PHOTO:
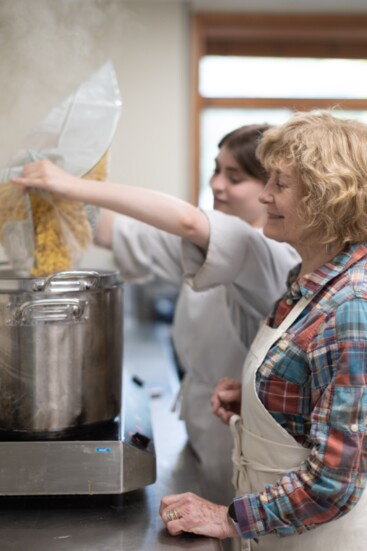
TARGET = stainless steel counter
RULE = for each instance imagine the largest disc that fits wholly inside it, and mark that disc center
(129, 521)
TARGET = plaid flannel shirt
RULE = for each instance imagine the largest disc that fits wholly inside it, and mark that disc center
(313, 382)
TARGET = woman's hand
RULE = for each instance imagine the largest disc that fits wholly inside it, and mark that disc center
(191, 513)
(226, 399)
(46, 175)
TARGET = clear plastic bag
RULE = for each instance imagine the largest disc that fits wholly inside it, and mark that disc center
(16, 227)
(62, 229)
(42, 233)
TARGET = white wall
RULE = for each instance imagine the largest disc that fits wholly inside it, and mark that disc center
(49, 47)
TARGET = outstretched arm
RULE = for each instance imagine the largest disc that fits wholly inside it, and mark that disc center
(157, 209)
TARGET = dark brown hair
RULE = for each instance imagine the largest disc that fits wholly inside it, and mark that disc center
(242, 143)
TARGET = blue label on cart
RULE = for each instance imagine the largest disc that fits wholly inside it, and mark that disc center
(103, 450)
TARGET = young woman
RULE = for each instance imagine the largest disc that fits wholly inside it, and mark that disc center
(212, 329)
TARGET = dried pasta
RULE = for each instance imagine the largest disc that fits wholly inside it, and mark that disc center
(61, 227)
(12, 204)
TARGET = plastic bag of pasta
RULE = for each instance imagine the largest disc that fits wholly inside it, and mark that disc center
(16, 228)
(42, 233)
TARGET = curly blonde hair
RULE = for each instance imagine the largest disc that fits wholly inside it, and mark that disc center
(328, 156)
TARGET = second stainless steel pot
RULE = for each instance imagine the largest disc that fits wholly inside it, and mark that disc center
(61, 351)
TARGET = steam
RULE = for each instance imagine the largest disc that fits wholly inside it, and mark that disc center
(47, 49)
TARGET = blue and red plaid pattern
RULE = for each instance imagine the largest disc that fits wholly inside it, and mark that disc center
(313, 382)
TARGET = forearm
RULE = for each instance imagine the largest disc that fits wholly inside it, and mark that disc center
(157, 209)
(154, 208)
(289, 506)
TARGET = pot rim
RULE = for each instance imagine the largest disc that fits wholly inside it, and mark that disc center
(66, 281)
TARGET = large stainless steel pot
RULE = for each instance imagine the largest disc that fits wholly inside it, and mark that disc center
(60, 351)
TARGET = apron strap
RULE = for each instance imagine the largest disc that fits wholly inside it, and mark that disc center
(235, 426)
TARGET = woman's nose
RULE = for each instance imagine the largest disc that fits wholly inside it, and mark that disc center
(217, 182)
(265, 196)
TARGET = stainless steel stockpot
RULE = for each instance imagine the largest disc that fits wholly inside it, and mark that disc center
(61, 348)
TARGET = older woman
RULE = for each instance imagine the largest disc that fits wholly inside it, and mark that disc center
(300, 447)
(300, 453)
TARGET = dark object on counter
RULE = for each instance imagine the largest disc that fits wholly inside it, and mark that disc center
(137, 380)
(140, 439)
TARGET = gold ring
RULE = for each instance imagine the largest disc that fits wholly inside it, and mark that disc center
(173, 515)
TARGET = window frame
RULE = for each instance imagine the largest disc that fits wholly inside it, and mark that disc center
(319, 36)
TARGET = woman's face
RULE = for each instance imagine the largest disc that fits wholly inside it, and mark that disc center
(235, 192)
(281, 196)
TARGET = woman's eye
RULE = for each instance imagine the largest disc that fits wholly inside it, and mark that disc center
(236, 178)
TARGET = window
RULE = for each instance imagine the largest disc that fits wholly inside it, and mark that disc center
(255, 69)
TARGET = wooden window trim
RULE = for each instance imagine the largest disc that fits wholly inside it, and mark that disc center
(332, 36)
(303, 104)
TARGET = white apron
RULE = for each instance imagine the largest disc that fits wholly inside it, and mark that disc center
(263, 451)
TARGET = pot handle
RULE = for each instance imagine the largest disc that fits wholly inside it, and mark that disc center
(47, 310)
(69, 281)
